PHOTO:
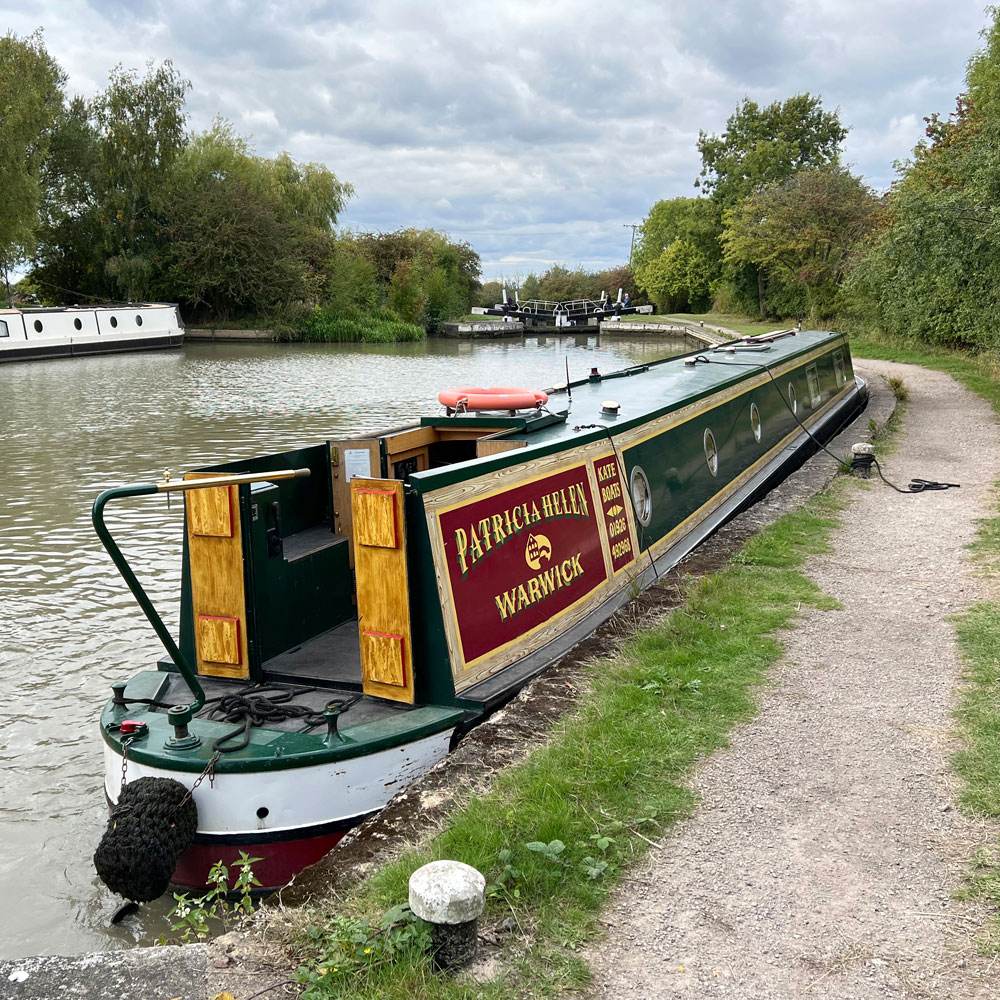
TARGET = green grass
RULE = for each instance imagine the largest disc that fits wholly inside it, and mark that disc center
(615, 773)
(977, 631)
(978, 372)
(653, 318)
(978, 716)
(740, 324)
(324, 325)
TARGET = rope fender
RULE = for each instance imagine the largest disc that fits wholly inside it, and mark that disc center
(148, 830)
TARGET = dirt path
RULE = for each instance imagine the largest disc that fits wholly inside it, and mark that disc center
(823, 858)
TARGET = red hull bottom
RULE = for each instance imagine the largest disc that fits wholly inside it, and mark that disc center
(280, 860)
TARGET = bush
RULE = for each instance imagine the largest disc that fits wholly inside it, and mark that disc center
(380, 326)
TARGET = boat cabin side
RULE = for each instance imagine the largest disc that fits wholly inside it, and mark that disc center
(443, 563)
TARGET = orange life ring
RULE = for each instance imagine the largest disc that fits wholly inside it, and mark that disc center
(493, 398)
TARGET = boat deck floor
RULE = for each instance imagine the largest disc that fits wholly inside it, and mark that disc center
(331, 658)
(324, 669)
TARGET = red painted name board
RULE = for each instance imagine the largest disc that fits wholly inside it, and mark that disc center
(520, 556)
(613, 501)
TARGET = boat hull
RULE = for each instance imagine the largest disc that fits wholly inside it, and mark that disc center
(274, 862)
(306, 810)
(531, 554)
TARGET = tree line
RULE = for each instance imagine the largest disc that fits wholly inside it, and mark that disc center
(772, 231)
(783, 228)
(114, 199)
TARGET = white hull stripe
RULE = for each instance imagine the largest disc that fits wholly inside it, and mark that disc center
(298, 798)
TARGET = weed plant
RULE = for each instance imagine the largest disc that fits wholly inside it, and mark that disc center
(193, 916)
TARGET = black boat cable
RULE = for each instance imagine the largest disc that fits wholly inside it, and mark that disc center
(253, 706)
(915, 486)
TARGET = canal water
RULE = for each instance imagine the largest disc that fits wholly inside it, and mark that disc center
(68, 626)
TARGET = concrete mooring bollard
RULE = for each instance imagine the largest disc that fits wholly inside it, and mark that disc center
(450, 896)
(862, 457)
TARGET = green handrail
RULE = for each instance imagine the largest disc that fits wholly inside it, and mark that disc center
(140, 490)
(146, 489)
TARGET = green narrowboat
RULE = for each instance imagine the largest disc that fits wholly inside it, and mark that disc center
(350, 608)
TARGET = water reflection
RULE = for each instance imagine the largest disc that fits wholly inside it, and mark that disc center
(68, 627)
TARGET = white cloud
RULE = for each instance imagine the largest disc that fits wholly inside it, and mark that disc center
(564, 120)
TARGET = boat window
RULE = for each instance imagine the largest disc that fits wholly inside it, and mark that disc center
(642, 498)
(755, 421)
(3, 329)
(114, 320)
(838, 367)
(812, 381)
(77, 323)
(711, 452)
(38, 326)
(793, 401)
(138, 320)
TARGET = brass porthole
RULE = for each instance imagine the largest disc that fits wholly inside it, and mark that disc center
(793, 400)
(642, 497)
(755, 424)
(711, 452)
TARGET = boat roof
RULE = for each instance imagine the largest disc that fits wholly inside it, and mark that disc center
(28, 307)
(642, 391)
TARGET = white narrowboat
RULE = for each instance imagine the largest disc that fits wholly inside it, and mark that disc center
(32, 333)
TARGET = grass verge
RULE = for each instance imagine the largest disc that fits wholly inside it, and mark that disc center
(980, 373)
(557, 830)
(324, 325)
(977, 631)
(740, 324)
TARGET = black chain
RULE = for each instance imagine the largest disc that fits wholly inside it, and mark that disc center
(125, 745)
(209, 773)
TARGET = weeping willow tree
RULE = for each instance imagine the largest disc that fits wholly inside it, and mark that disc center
(31, 97)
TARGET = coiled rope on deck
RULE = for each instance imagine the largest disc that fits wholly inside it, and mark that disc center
(256, 706)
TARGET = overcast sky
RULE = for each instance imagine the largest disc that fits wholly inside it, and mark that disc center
(535, 129)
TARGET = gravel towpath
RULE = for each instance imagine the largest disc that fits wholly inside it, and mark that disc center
(823, 858)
